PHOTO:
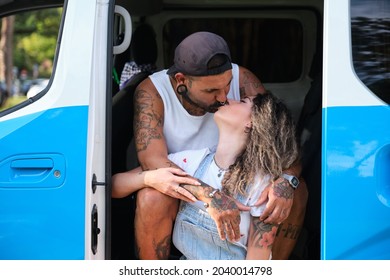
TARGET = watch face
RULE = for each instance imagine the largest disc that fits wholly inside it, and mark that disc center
(295, 181)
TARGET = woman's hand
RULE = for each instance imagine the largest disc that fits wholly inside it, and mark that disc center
(225, 211)
(169, 180)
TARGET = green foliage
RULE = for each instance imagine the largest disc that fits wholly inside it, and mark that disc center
(35, 37)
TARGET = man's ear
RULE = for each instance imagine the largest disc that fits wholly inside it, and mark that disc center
(180, 78)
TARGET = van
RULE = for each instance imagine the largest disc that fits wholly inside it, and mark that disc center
(328, 60)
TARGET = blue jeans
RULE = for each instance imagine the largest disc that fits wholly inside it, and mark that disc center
(195, 235)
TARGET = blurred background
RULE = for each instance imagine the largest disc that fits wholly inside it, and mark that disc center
(27, 48)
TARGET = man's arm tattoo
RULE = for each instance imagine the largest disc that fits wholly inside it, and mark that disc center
(283, 189)
(146, 120)
(289, 231)
(250, 83)
(262, 235)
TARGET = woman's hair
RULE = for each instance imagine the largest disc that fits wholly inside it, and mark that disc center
(272, 146)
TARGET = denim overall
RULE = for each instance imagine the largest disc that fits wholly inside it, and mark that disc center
(195, 234)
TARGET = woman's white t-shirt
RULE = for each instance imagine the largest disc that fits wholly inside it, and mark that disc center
(190, 160)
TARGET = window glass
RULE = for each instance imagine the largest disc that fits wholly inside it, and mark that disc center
(27, 48)
(370, 23)
(271, 48)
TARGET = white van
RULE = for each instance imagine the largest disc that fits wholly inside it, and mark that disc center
(327, 59)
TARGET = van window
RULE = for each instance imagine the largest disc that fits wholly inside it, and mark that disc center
(270, 47)
(370, 24)
(27, 47)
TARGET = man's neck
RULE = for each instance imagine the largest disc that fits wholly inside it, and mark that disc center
(190, 108)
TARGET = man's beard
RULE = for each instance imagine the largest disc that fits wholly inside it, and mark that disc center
(210, 109)
(214, 107)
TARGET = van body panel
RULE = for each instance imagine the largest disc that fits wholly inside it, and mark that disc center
(53, 171)
(356, 191)
(342, 85)
(42, 203)
(355, 151)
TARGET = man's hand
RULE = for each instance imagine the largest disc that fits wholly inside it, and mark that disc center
(280, 197)
(169, 180)
(225, 211)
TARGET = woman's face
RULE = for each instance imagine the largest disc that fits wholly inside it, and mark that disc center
(236, 113)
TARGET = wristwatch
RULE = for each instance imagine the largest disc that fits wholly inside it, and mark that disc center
(294, 182)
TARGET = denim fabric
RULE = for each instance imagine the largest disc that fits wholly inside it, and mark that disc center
(195, 235)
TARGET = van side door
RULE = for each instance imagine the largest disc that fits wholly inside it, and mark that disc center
(356, 138)
(53, 146)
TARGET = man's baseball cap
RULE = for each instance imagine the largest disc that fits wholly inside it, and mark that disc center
(193, 55)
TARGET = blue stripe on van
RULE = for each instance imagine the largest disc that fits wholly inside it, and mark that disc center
(356, 183)
(42, 215)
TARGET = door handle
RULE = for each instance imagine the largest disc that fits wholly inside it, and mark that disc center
(33, 163)
(32, 171)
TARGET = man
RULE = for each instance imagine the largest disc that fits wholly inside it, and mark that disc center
(173, 112)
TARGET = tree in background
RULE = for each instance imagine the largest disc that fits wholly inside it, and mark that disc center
(28, 42)
(6, 56)
(35, 40)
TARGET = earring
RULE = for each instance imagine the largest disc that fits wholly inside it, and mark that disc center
(181, 89)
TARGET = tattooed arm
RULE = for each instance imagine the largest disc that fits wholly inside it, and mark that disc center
(260, 240)
(223, 209)
(148, 127)
(250, 85)
(150, 143)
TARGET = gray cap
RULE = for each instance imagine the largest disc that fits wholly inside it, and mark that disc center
(193, 54)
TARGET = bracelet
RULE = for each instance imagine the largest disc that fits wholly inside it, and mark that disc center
(213, 193)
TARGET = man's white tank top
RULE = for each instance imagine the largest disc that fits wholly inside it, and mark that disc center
(183, 131)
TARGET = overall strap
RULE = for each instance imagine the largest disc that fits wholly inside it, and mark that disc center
(205, 163)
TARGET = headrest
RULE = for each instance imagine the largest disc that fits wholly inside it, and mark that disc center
(143, 45)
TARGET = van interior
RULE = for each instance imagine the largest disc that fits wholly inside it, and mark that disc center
(279, 41)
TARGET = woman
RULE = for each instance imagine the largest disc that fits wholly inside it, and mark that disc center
(256, 142)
